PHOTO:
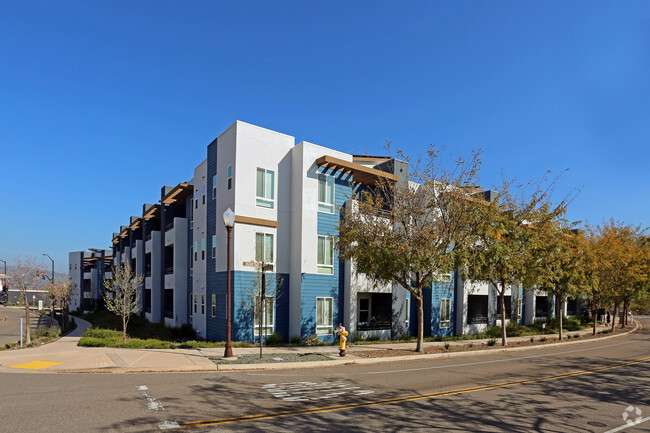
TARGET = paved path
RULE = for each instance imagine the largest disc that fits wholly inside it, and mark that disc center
(64, 355)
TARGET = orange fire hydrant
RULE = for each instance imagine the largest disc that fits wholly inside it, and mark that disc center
(343, 336)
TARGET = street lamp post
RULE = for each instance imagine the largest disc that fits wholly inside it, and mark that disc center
(52, 283)
(229, 222)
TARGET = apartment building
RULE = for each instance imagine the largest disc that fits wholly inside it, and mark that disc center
(286, 199)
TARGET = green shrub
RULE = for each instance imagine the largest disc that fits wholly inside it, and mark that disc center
(543, 339)
(447, 346)
(491, 342)
(470, 345)
(576, 335)
(295, 340)
(274, 339)
(493, 332)
(314, 340)
(532, 339)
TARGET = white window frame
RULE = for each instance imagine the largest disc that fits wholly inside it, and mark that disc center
(326, 206)
(324, 268)
(214, 305)
(265, 239)
(364, 297)
(214, 246)
(229, 178)
(407, 305)
(267, 199)
(324, 328)
(445, 310)
(269, 321)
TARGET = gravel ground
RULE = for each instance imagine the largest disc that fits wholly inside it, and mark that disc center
(275, 358)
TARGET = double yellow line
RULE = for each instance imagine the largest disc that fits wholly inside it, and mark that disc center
(282, 414)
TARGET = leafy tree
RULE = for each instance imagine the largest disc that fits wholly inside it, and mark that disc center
(122, 296)
(589, 265)
(623, 268)
(560, 272)
(509, 244)
(412, 231)
(24, 275)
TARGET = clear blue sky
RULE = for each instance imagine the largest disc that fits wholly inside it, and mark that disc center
(96, 97)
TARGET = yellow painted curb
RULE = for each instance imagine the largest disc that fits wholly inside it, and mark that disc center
(36, 365)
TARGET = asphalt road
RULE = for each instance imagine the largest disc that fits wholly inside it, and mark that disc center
(10, 324)
(571, 388)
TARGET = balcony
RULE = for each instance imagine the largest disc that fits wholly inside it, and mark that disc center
(169, 270)
(169, 226)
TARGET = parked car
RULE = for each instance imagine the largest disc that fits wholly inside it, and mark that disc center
(4, 296)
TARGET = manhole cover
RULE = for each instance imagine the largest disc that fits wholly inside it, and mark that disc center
(596, 424)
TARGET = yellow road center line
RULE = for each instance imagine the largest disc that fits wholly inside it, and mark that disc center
(4, 319)
(282, 414)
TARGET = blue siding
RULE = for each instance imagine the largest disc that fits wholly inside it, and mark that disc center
(442, 290)
(322, 285)
(241, 321)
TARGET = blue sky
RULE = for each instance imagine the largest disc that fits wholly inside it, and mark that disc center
(97, 97)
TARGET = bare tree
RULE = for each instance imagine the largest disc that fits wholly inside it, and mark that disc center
(262, 289)
(23, 275)
(122, 296)
(61, 292)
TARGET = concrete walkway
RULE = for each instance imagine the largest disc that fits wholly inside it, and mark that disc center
(64, 356)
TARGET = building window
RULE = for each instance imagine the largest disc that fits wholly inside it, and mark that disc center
(229, 176)
(264, 247)
(191, 258)
(519, 307)
(264, 191)
(325, 255)
(325, 193)
(203, 193)
(192, 213)
(407, 304)
(214, 305)
(364, 309)
(214, 246)
(324, 316)
(214, 187)
(269, 316)
(196, 250)
(203, 249)
(445, 313)
(196, 199)
(202, 304)
(195, 303)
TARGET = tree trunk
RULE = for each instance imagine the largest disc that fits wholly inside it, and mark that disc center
(625, 307)
(594, 313)
(614, 316)
(28, 333)
(124, 329)
(502, 302)
(419, 346)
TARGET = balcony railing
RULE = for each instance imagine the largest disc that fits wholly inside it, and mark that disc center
(169, 270)
(477, 320)
(169, 226)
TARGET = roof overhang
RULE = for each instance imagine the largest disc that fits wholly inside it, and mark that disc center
(360, 174)
(136, 224)
(151, 212)
(180, 191)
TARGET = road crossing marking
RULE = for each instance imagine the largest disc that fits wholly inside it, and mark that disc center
(36, 365)
(335, 408)
(296, 391)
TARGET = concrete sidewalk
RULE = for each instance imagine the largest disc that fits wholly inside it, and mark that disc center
(64, 356)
